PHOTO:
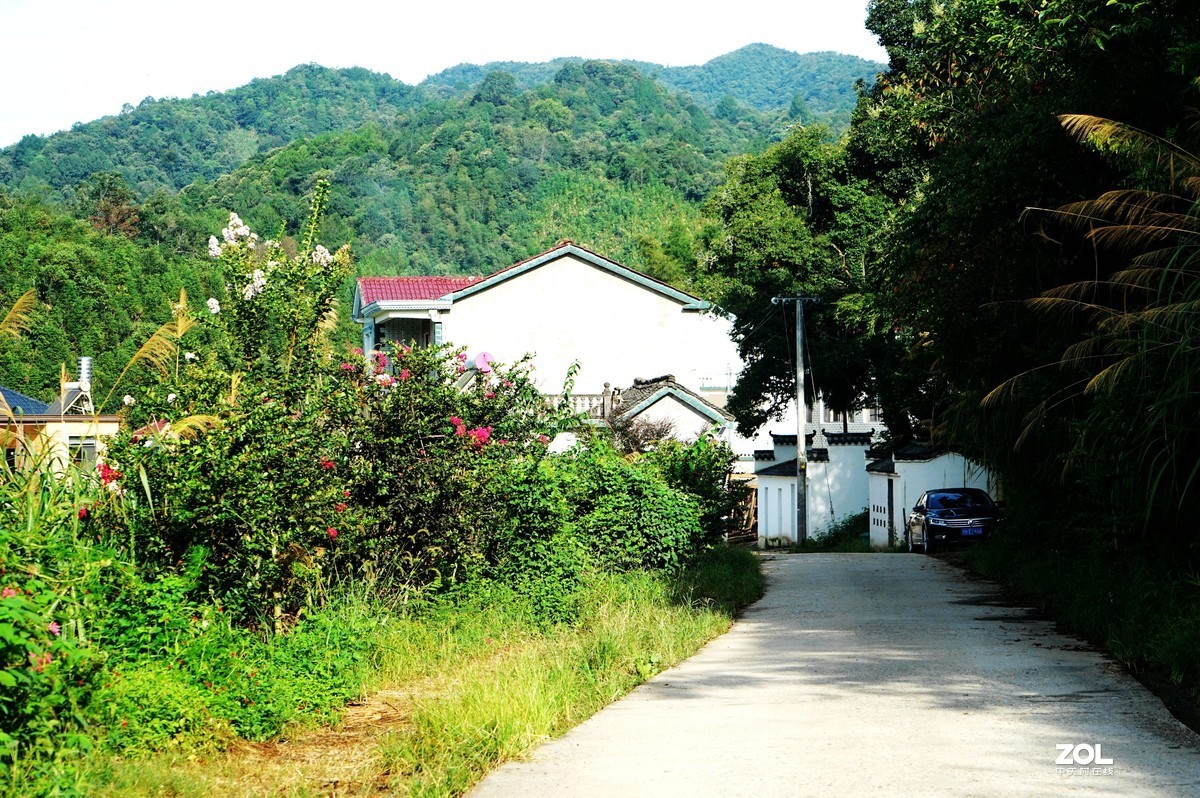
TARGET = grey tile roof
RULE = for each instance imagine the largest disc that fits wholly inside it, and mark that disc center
(643, 389)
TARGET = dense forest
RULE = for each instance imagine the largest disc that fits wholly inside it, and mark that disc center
(815, 88)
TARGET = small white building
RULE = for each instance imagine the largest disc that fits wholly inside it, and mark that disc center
(897, 478)
(836, 484)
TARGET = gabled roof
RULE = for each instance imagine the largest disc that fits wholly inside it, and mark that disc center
(23, 405)
(407, 289)
(565, 248)
(918, 452)
(645, 392)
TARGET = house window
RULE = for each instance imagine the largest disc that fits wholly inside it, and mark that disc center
(83, 452)
(833, 416)
(872, 415)
(808, 414)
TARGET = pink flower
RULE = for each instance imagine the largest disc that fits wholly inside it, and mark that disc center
(83, 512)
(489, 395)
(385, 380)
(381, 359)
(356, 350)
(54, 628)
(108, 474)
(340, 507)
(8, 592)
(346, 493)
(507, 383)
(480, 436)
(347, 367)
(543, 439)
(461, 368)
(456, 421)
(331, 532)
(405, 374)
(327, 464)
(462, 356)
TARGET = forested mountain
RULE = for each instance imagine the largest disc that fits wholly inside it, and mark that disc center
(170, 143)
(600, 154)
(817, 87)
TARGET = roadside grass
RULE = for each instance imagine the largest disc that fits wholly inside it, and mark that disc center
(481, 681)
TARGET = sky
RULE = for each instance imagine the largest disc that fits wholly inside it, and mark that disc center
(68, 61)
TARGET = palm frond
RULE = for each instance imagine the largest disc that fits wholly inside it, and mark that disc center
(158, 352)
(1112, 136)
(1051, 304)
(193, 426)
(20, 315)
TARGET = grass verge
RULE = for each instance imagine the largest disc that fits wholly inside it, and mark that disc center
(473, 683)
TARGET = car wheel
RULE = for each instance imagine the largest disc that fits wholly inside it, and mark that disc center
(913, 548)
(928, 542)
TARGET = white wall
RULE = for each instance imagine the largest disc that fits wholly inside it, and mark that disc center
(568, 310)
(913, 478)
(688, 424)
(776, 511)
(836, 489)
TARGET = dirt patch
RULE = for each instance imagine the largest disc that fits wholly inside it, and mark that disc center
(334, 762)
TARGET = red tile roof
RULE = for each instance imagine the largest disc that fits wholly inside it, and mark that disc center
(384, 289)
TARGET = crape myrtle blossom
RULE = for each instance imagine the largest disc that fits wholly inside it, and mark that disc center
(236, 229)
(214, 307)
(321, 256)
(214, 247)
(258, 281)
(127, 400)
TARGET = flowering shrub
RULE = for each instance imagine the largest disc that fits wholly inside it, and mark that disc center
(234, 451)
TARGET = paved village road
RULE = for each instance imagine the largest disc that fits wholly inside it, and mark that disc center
(865, 675)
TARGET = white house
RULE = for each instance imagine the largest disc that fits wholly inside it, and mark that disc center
(570, 305)
(564, 306)
(898, 478)
(836, 482)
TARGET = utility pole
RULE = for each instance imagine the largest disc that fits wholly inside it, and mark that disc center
(801, 450)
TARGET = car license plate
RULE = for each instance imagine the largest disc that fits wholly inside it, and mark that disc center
(972, 531)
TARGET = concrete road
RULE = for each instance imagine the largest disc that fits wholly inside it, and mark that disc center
(885, 674)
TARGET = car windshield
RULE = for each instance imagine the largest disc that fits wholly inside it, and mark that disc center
(960, 500)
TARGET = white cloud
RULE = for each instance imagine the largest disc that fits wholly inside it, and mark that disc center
(76, 60)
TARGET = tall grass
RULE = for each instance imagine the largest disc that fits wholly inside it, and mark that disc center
(500, 707)
(486, 680)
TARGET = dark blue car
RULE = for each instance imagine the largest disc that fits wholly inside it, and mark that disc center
(950, 516)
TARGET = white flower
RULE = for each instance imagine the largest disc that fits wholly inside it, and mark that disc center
(258, 281)
(214, 307)
(189, 356)
(321, 256)
(127, 399)
(214, 247)
(236, 229)
(171, 398)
